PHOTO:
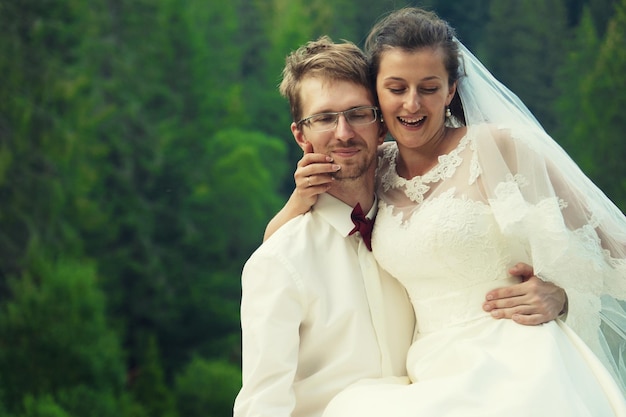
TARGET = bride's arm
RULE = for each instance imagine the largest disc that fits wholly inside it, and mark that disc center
(312, 177)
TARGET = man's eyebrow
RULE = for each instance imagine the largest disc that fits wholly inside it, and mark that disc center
(349, 108)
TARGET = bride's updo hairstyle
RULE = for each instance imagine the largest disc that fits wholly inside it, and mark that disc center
(412, 29)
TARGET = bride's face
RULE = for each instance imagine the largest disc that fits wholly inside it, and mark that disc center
(413, 93)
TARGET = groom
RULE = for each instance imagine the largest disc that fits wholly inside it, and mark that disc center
(317, 313)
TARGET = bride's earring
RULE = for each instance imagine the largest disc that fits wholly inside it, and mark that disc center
(448, 112)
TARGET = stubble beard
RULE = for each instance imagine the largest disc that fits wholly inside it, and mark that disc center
(351, 172)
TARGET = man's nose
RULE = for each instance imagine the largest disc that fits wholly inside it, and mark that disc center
(343, 130)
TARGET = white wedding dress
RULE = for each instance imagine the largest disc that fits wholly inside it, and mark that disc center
(440, 237)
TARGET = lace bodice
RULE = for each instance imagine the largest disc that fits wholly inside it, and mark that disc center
(437, 235)
(416, 188)
(449, 243)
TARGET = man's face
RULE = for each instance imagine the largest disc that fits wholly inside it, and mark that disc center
(351, 147)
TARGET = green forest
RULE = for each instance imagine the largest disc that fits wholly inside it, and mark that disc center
(144, 146)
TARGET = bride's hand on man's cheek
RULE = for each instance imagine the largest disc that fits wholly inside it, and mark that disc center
(314, 175)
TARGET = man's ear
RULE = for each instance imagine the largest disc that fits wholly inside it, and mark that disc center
(382, 132)
(298, 135)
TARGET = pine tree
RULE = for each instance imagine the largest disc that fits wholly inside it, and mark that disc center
(573, 131)
(525, 44)
(207, 388)
(41, 121)
(603, 109)
(149, 387)
(56, 340)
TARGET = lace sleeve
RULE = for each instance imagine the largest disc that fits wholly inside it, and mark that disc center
(569, 240)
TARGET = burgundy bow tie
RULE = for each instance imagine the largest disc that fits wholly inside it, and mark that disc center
(363, 225)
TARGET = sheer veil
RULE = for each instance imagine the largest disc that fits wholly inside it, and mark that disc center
(572, 233)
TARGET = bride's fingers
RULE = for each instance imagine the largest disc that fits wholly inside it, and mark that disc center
(315, 181)
(314, 169)
(319, 183)
(314, 158)
(319, 176)
(318, 169)
(313, 175)
(308, 191)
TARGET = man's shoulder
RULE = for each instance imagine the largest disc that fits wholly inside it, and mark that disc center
(294, 235)
(291, 248)
(309, 233)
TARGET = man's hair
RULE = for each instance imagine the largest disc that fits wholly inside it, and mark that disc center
(325, 60)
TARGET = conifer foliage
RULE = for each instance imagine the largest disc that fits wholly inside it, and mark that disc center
(144, 146)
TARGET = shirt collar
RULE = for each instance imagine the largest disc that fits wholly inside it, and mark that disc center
(337, 213)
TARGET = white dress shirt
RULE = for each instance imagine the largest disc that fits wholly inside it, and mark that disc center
(317, 314)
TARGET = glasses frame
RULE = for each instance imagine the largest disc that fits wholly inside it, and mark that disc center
(336, 114)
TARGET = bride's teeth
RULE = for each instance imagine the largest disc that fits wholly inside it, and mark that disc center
(411, 121)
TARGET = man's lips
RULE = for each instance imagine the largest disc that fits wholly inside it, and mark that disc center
(345, 152)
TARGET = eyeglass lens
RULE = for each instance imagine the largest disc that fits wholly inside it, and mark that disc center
(355, 117)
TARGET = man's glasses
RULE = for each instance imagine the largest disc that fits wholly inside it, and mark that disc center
(357, 116)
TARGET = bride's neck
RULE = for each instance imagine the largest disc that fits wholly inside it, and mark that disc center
(413, 162)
